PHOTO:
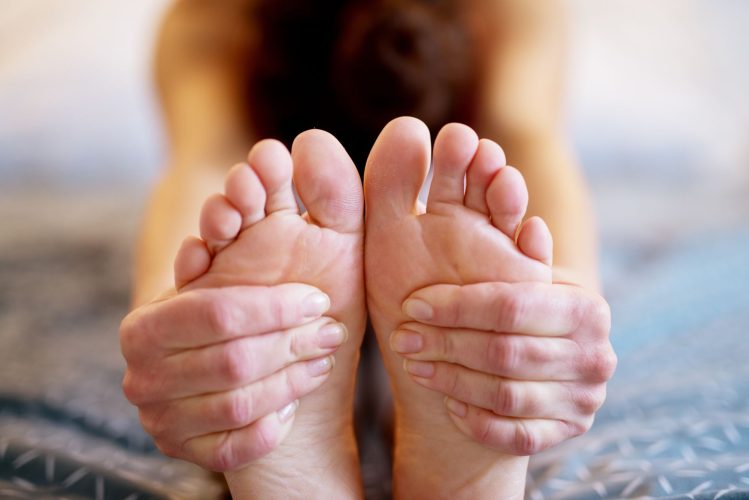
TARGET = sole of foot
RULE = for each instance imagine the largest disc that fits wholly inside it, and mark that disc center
(470, 231)
(253, 234)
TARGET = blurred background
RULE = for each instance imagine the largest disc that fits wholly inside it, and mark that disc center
(659, 115)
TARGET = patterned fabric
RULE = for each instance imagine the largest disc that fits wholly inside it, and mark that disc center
(676, 423)
(66, 430)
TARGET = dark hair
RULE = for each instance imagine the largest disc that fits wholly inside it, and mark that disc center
(350, 66)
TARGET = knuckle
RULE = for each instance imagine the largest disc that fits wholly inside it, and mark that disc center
(579, 427)
(599, 315)
(131, 388)
(155, 423)
(292, 384)
(511, 309)
(525, 441)
(166, 448)
(589, 400)
(238, 409)
(133, 335)
(503, 354)
(266, 440)
(224, 456)
(236, 365)
(506, 400)
(278, 310)
(485, 434)
(602, 364)
(222, 315)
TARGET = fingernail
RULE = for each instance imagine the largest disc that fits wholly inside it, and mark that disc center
(456, 407)
(321, 366)
(315, 305)
(418, 309)
(406, 342)
(332, 335)
(285, 413)
(423, 369)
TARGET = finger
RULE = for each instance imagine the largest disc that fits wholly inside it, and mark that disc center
(232, 450)
(507, 397)
(516, 436)
(212, 315)
(179, 420)
(526, 308)
(522, 357)
(236, 363)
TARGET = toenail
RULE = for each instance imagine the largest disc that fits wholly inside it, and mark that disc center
(418, 309)
(422, 369)
(456, 407)
(321, 366)
(285, 413)
(332, 335)
(315, 305)
(404, 342)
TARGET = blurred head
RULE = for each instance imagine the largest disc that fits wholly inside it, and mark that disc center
(351, 66)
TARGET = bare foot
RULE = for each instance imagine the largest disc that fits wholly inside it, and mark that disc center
(463, 235)
(254, 235)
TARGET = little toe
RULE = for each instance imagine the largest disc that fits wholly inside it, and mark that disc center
(507, 199)
(271, 161)
(396, 169)
(535, 241)
(192, 261)
(245, 191)
(454, 148)
(220, 222)
(489, 159)
(327, 181)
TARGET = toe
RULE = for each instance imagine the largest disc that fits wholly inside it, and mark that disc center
(245, 191)
(271, 162)
(507, 199)
(219, 222)
(193, 260)
(396, 168)
(534, 240)
(327, 181)
(454, 148)
(486, 163)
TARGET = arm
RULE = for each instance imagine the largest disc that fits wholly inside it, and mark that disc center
(198, 66)
(523, 112)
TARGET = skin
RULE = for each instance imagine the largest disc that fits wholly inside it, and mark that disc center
(533, 140)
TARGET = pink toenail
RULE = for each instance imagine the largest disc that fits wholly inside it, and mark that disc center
(418, 309)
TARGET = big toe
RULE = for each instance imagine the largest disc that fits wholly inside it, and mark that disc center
(396, 168)
(327, 181)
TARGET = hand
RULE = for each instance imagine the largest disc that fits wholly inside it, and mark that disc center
(523, 366)
(217, 373)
